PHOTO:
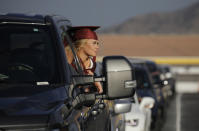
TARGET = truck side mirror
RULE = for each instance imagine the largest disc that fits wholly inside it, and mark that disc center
(83, 79)
(147, 102)
(122, 106)
(119, 74)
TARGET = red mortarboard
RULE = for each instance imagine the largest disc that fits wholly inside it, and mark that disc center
(83, 32)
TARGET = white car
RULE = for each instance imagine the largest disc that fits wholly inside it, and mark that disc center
(139, 118)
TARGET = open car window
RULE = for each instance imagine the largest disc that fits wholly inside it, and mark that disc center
(70, 51)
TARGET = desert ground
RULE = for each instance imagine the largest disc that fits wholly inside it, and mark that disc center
(149, 45)
(186, 46)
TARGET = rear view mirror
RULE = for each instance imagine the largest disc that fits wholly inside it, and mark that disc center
(122, 106)
(119, 74)
(147, 102)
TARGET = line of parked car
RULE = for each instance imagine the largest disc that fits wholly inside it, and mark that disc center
(153, 81)
(39, 89)
(155, 87)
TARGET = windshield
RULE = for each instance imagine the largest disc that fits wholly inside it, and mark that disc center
(27, 55)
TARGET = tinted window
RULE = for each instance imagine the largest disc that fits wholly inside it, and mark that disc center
(27, 54)
(151, 66)
(142, 79)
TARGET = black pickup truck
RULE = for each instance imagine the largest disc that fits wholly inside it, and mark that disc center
(37, 85)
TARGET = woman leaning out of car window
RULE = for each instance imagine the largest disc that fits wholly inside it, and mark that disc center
(86, 46)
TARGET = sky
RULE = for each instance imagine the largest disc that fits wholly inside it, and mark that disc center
(103, 13)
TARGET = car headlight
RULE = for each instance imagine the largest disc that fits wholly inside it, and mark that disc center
(166, 82)
(132, 122)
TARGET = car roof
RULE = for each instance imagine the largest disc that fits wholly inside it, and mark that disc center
(33, 19)
(136, 60)
(22, 18)
(139, 67)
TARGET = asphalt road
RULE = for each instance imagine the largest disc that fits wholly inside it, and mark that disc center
(182, 113)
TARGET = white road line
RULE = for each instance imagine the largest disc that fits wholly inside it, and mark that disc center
(178, 112)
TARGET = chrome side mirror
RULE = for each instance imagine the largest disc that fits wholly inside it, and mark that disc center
(119, 77)
(122, 106)
(147, 102)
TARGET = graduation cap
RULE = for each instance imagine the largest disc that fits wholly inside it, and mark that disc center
(83, 32)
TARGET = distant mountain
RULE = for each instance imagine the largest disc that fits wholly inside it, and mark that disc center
(184, 21)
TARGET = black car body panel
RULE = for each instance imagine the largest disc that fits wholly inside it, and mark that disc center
(33, 87)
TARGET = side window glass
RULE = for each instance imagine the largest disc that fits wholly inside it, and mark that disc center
(27, 54)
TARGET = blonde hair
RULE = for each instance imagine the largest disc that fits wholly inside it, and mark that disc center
(78, 44)
(69, 54)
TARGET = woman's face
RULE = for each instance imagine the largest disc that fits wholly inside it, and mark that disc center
(91, 47)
